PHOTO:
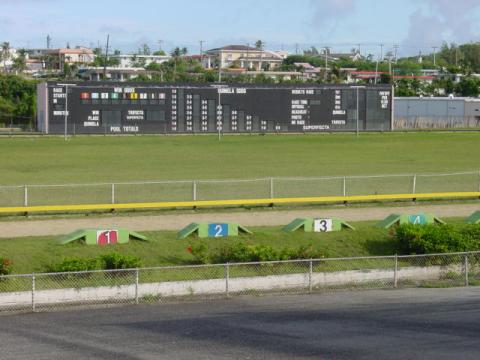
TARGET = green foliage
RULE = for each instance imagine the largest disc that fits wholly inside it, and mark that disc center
(17, 99)
(425, 239)
(199, 251)
(112, 261)
(241, 251)
(116, 261)
(74, 264)
(5, 266)
(468, 86)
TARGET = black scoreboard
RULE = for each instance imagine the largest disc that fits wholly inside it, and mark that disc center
(149, 108)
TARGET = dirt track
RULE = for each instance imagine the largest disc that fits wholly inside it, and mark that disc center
(11, 229)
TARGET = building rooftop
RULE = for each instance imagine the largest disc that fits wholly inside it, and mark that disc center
(236, 48)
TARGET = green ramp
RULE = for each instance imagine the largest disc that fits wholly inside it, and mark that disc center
(212, 230)
(474, 218)
(414, 219)
(102, 236)
(317, 225)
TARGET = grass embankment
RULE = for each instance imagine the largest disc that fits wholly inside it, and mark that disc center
(34, 254)
(51, 160)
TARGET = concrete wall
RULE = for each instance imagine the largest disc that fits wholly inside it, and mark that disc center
(128, 293)
(436, 113)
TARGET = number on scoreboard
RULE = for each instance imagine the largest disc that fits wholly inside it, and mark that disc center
(323, 225)
(217, 230)
(107, 237)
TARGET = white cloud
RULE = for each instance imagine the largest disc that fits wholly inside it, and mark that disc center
(436, 21)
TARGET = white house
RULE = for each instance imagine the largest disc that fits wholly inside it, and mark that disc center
(131, 60)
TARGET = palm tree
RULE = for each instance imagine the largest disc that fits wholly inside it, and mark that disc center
(20, 62)
(5, 55)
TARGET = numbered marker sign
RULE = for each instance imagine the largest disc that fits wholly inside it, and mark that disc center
(417, 219)
(323, 225)
(107, 237)
(217, 230)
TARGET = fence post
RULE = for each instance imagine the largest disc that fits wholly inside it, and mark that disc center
(33, 292)
(113, 193)
(271, 189)
(25, 196)
(414, 188)
(310, 274)
(227, 278)
(136, 285)
(395, 272)
(479, 181)
(344, 186)
(194, 190)
(465, 265)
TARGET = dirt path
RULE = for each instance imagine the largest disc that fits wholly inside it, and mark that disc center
(11, 229)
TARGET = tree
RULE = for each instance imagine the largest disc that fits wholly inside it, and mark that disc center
(20, 62)
(259, 44)
(468, 86)
(145, 50)
(311, 52)
(159, 53)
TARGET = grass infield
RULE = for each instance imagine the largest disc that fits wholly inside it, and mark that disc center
(51, 160)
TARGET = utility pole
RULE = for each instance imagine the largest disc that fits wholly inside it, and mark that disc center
(296, 48)
(395, 48)
(248, 56)
(49, 41)
(106, 58)
(326, 62)
(360, 49)
(201, 51)
(434, 56)
(381, 51)
(456, 57)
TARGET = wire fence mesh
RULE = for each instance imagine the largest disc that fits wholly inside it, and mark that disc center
(47, 292)
(266, 188)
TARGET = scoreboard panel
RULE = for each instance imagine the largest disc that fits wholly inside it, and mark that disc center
(148, 108)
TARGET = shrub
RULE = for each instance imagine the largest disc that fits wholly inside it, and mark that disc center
(244, 252)
(74, 264)
(424, 239)
(199, 250)
(115, 261)
(5, 266)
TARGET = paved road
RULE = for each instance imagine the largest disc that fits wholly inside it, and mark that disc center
(389, 324)
(253, 218)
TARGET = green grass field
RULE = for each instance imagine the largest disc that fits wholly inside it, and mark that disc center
(51, 160)
(34, 254)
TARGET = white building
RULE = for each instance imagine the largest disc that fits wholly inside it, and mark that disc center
(132, 60)
(244, 57)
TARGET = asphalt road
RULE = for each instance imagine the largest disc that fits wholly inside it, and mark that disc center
(384, 324)
(11, 229)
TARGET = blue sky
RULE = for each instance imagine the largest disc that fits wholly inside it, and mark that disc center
(413, 24)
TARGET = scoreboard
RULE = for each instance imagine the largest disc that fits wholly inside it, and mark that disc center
(149, 108)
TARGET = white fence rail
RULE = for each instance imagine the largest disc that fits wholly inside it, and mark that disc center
(264, 188)
(37, 292)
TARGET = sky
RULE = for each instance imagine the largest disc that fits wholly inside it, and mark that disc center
(414, 25)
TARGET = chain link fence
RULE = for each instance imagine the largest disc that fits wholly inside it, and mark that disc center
(46, 292)
(266, 188)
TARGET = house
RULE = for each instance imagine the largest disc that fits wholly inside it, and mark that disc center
(244, 57)
(133, 60)
(353, 56)
(112, 73)
(370, 76)
(79, 56)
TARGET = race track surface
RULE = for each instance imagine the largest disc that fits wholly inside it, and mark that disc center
(384, 324)
(176, 222)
